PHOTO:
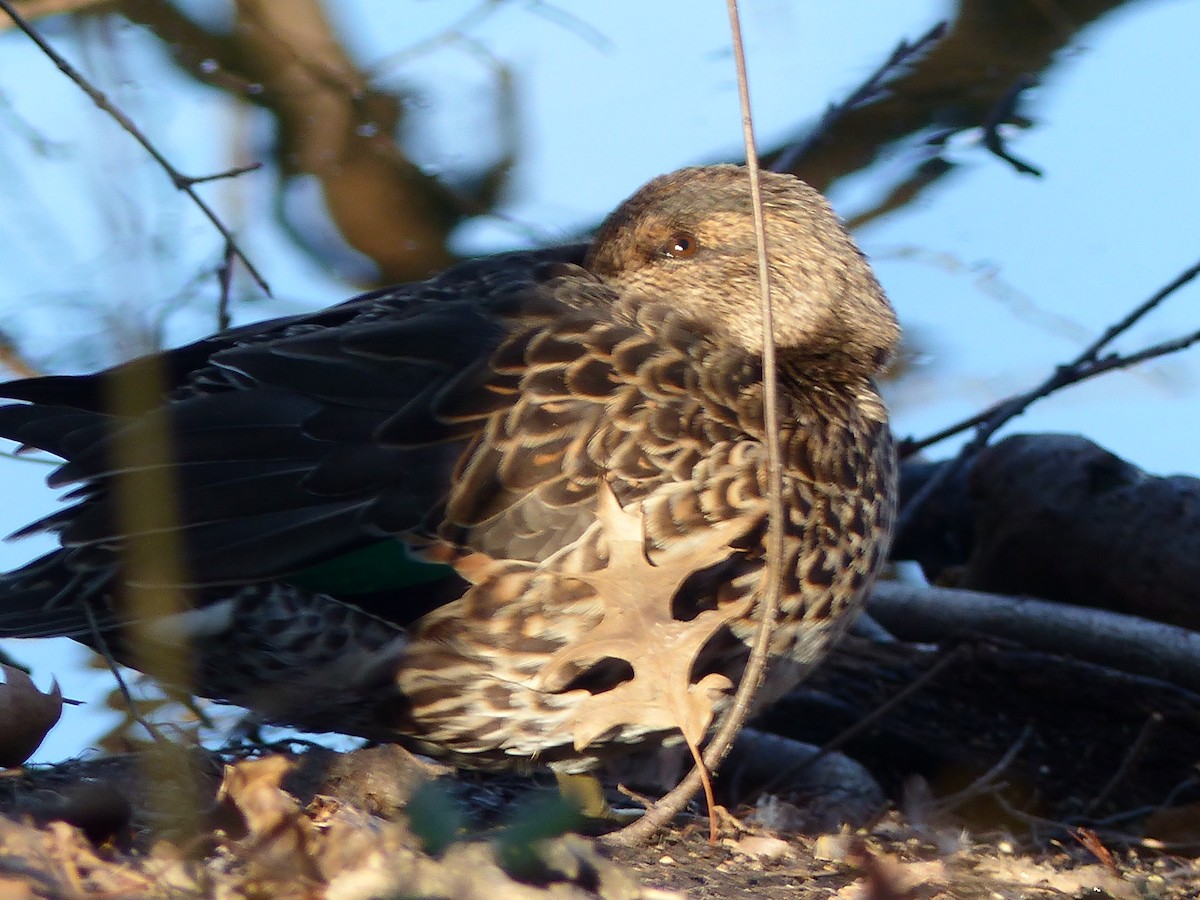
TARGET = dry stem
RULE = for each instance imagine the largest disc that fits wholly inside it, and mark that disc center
(671, 804)
(182, 182)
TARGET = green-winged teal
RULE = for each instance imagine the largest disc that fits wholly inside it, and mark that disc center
(512, 513)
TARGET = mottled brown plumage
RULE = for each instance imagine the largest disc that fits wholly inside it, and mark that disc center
(479, 420)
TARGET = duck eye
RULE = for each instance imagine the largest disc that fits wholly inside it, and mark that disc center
(682, 246)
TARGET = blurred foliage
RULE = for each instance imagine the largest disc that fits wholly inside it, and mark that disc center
(435, 816)
(337, 124)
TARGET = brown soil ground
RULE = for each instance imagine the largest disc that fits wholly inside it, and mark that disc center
(1003, 774)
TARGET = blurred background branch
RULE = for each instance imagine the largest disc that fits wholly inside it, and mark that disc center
(337, 125)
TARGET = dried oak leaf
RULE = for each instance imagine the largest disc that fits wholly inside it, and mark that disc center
(280, 841)
(639, 628)
(27, 715)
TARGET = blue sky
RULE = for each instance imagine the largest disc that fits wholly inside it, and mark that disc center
(1000, 275)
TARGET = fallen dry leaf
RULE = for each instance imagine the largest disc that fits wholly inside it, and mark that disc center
(761, 846)
(639, 628)
(58, 861)
(1025, 872)
(27, 715)
(279, 839)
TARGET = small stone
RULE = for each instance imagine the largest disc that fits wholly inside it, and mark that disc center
(832, 847)
(762, 847)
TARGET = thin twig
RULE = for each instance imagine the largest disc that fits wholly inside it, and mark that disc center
(233, 172)
(1135, 751)
(641, 799)
(1123, 361)
(844, 737)
(181, 182)
(1065, 828)
(1138, 812)
(771, 585)
(225, 280)
(455, 31)
(1088, 364)
(986, 782)
(710, 800)
(568, 21)
(115, 668)
(1004, 110)
(869, 90)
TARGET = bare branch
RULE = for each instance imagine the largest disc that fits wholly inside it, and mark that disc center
(455, 31)
(868, 721)
(225, 279)
(987, 781)
(1118, 641)
(1140, 311)
(568, 21)
(1004, 111)
(182, 182)
(772, 582)
(1135, 751)
(1171, 799)
(228, 173)
(115, 668)
(1088, 364)
(1065, 828)
(869, 90)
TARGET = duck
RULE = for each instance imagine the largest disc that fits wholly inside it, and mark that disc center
(511, 515)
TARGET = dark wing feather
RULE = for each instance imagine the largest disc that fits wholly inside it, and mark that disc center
(481, 410)
(296, 440)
